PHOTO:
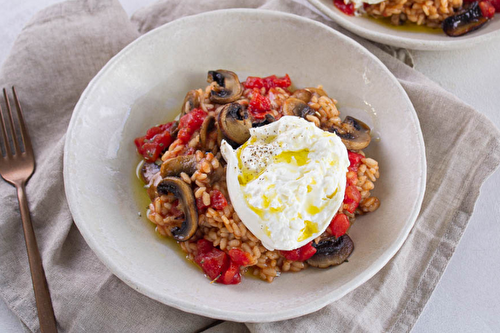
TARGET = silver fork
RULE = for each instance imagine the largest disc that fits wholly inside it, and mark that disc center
(16, 167)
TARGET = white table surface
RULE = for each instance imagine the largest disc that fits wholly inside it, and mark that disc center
(467, 299)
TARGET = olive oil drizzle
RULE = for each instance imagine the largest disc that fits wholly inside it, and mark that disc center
(406, 27)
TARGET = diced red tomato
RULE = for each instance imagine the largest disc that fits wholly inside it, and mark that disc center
(496, 4)
(487, 8)
(189, 123)
(153, 131)
(352, 198)
(293, 255)
(213, 261)
(346, 9)
(350, 205)
(259, 105)
(231, 275)
(204, 246)
(307, 251)
(339, 225)
(268, 82)
(148, 150)
(253, 82)
(218, 265)
(273, 81)
(239, 257)
(217, 200)
(156, 140)
(301, 254)
(354, 160)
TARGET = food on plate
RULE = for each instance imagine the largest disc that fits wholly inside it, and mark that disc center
(455, 17)
(257, 178)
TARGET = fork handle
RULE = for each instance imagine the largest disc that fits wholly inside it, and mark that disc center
(42, 295)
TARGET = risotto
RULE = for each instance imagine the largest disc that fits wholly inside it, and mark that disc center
(455, 17)
(187, 180)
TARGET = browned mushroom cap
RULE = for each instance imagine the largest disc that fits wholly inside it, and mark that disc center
(228, 88)
(296, 107)
(174, 166)
(234, 124)
(207, 125)
(354, 133)
(191, 101)
(147, 171)
(303, 95)
(331, 251)
(184, 193)
(306, 94)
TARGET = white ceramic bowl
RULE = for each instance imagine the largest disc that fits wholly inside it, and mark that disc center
(375, 31)
(145, 84)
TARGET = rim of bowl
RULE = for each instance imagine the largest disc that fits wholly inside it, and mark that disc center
(200, 309)
(398, 41)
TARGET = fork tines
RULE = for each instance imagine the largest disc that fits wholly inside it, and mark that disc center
(16, 140)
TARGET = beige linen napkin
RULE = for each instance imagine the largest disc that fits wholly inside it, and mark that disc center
(53, 60)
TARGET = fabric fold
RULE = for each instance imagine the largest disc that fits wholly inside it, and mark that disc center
(60, 51)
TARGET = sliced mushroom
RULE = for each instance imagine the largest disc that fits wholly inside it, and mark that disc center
(296, 107)
(191, 101)
(331, 251)
(469, 20)
(219, 136)
(354, 133)
(303, 95)
(217, 174)
(184, 193)
(148, 170)
(267, 120)
(174, 166)
(207, 125)
(234, 124)
(228, 87)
